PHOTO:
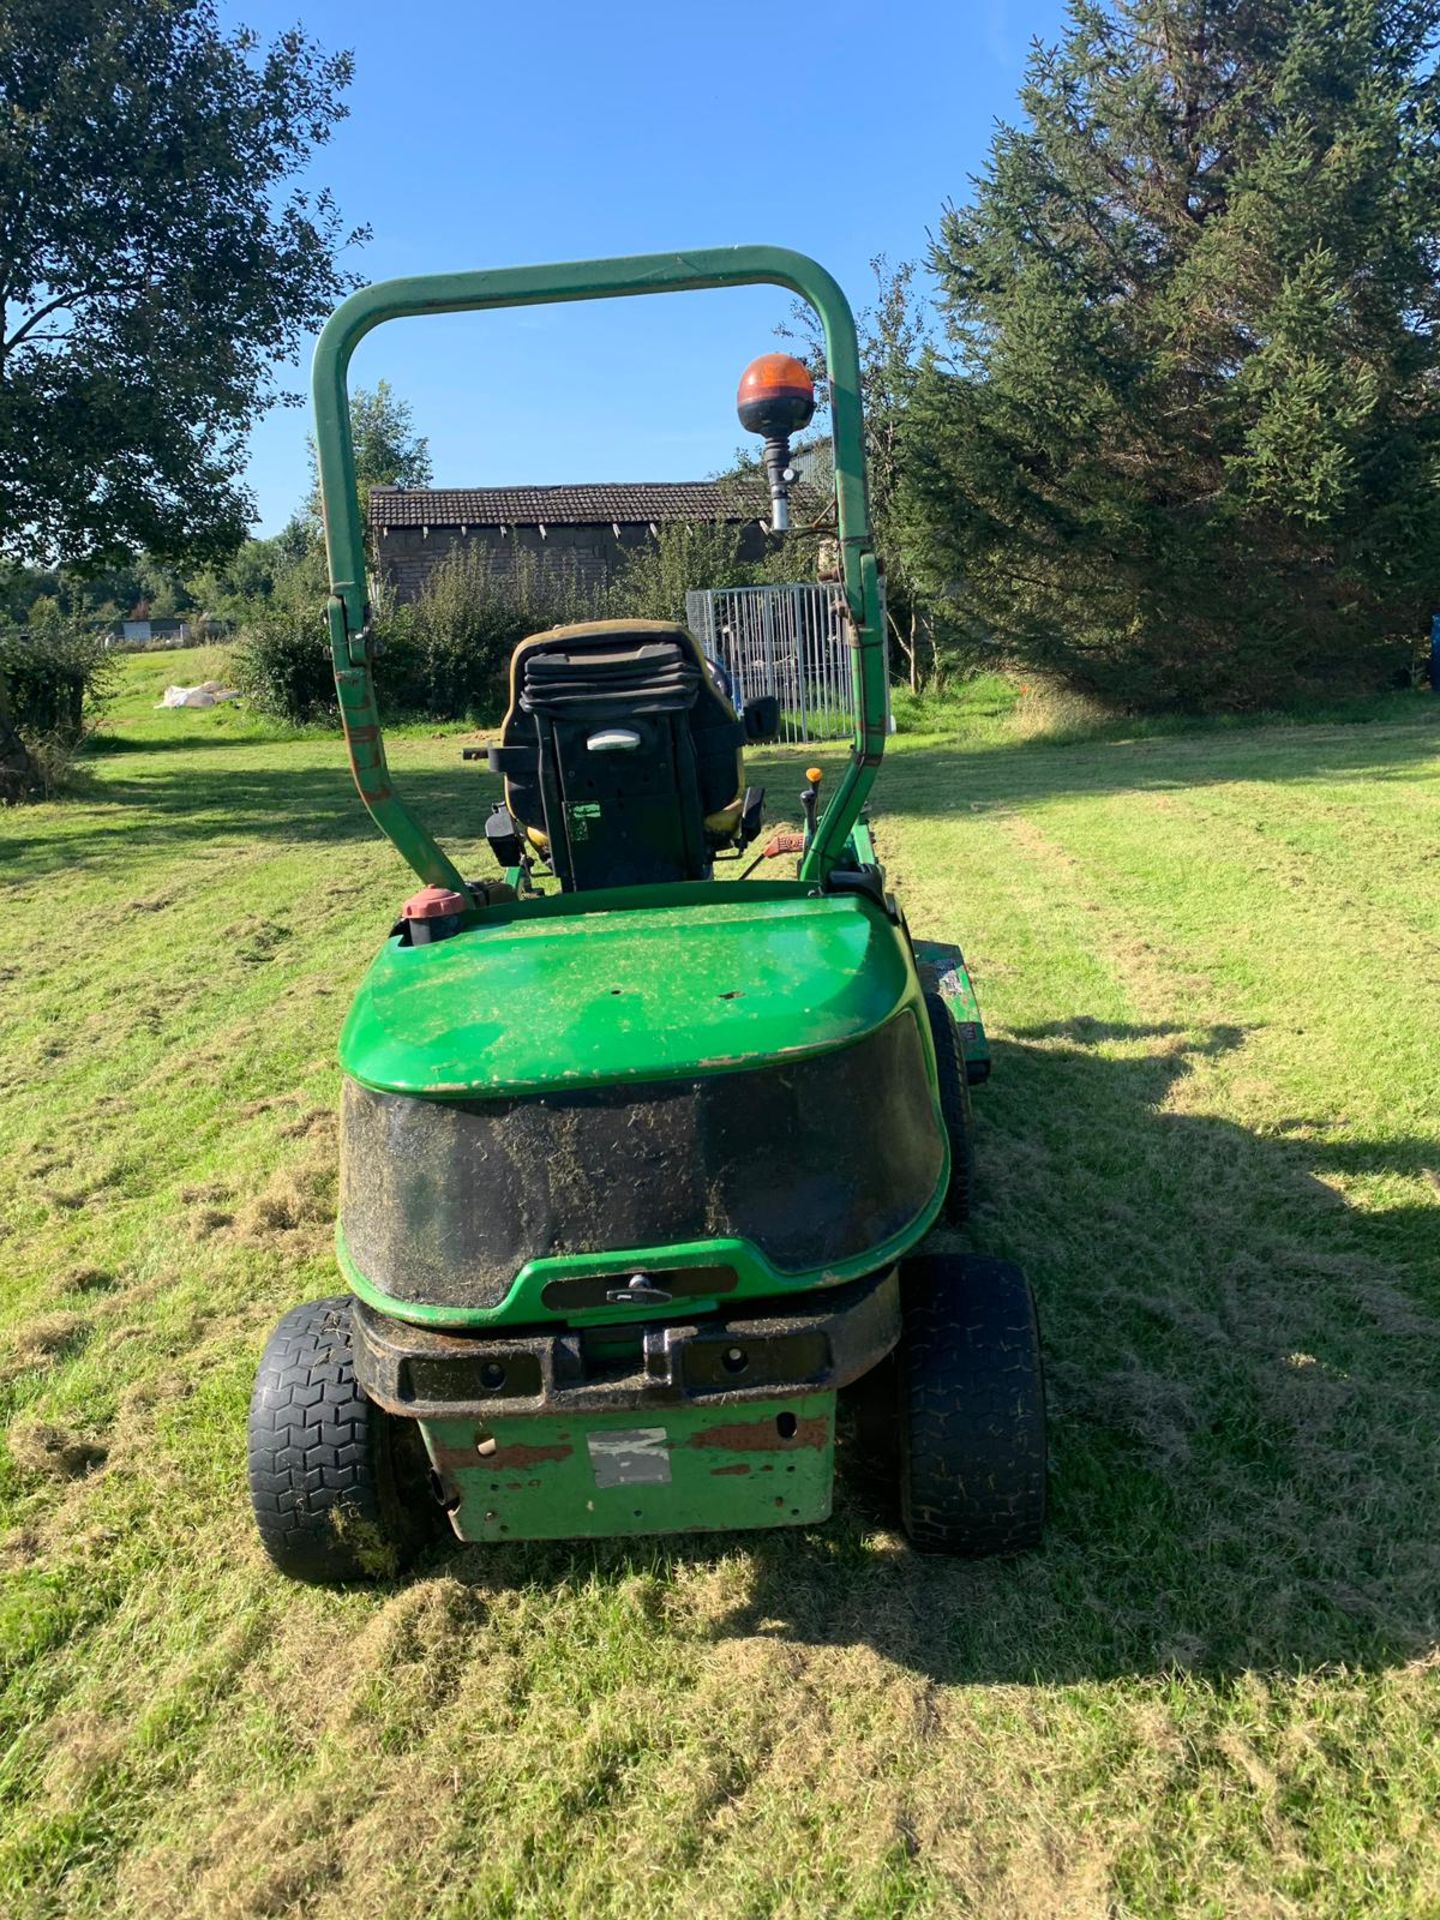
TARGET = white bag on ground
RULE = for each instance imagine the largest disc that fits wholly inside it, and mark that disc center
(208, 694)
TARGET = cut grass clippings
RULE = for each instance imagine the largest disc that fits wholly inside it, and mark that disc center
(1209, 963)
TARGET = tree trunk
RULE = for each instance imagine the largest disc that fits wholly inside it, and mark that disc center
(16, 768)
(907, 649)
(937, 662)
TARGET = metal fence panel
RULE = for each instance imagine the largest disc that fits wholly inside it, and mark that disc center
(787, 642)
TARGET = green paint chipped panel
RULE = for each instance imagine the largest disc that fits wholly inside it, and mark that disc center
(684, 1469)
(589, 989)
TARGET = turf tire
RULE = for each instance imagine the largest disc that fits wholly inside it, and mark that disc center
(971, 1407)
(336, 1486)
(956, 1110)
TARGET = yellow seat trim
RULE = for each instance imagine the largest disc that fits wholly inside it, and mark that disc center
(727, 820)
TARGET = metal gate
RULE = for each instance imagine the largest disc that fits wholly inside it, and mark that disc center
(788, 642)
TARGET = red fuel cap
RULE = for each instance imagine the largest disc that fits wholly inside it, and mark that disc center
(432, 903)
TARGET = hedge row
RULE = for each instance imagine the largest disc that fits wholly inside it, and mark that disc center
(444, 658)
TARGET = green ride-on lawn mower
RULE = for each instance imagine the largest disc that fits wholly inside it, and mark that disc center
(638, 1164)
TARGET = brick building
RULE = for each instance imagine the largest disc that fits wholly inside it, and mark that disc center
(583, 529)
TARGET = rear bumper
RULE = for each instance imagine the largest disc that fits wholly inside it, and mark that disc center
(725, 1422)
(820, 1343)
(686, 1469)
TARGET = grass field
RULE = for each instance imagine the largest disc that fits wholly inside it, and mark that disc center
(1210, 963)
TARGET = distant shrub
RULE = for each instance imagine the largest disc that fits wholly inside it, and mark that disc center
(444, 658)
(684, 555)
(55, 675)
(447, 656)
(281, 664)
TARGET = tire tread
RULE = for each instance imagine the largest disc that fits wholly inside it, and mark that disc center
(317, 1478)
(972, 1412)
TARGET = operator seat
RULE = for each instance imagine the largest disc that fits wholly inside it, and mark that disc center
(621, 756)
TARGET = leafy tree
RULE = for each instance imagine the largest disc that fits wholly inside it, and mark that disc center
(653, 578)
(155, 264)
(20, 587)
(245, 580)
(388, 451)
(1184, 447)
(163, 589)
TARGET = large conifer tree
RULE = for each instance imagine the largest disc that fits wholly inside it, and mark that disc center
(1186, 444)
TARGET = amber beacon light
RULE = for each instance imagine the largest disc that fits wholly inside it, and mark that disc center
(776, 399)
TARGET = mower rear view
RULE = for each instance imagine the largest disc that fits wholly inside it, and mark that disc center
(640, 1166)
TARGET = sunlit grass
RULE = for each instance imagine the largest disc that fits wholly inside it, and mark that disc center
(1208, 961)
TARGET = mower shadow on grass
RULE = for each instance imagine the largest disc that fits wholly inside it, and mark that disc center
(1243, 1402)
(185, 806)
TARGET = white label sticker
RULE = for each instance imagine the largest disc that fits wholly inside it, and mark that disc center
(630, 1457)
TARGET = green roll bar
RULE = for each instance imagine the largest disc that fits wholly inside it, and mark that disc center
(348, 610)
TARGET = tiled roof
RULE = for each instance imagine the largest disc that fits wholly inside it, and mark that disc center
(629, 504)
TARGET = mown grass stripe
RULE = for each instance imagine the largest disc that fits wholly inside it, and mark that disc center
(1213, 1692)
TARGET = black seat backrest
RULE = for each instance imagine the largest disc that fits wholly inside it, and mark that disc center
(616, 748)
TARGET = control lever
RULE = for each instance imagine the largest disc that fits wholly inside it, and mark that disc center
(810, 800)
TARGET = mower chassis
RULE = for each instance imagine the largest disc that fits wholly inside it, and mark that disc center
(572, 1424)
(726, 1422)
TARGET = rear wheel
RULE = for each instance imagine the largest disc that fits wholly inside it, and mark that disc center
(971, 1407)
(955, 1108)
(338, 1485)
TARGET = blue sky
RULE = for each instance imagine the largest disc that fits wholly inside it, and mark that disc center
(485, 136)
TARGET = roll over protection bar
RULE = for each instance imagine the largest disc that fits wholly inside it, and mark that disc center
(348, 612)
